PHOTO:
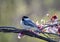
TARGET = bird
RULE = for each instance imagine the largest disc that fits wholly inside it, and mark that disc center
(27, 23)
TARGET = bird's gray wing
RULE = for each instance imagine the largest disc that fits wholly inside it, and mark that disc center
(29, 23)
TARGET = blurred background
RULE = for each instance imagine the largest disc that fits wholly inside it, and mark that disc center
(11, 12)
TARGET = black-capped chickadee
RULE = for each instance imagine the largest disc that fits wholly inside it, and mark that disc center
(27, 23)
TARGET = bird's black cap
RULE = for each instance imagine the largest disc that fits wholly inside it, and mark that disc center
(24, 17)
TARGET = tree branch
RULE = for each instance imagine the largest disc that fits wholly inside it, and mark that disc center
(25, 32)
